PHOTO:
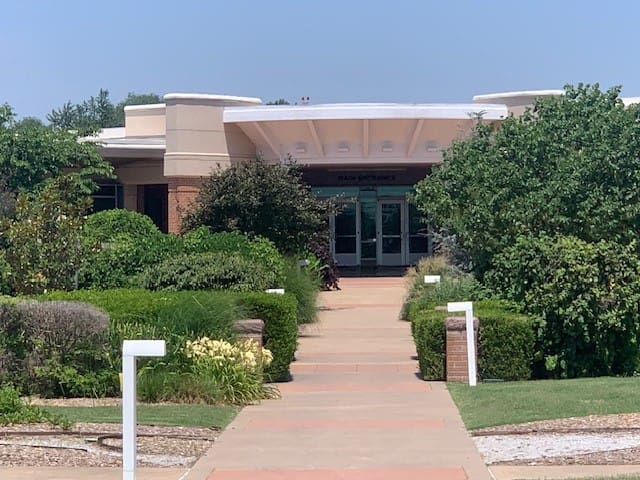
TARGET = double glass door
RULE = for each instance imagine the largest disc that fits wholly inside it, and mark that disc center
(371, 232)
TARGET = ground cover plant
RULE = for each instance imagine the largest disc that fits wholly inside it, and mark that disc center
(491, 404)
(14, 410)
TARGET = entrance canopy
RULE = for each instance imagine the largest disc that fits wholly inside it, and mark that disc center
(358, 133)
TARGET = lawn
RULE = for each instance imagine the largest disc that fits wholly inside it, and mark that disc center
(183, 415)
(491, 404)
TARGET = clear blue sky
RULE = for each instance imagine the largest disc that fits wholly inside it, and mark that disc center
(330, 50)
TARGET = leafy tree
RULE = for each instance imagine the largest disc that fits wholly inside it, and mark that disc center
(86, 117)
(31, 153)
(568, 166)
(280, 101)
(44, 248)
(135, 99)
(260, 199)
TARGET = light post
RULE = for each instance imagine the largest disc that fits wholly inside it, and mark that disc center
(131, 349)
(467, 308)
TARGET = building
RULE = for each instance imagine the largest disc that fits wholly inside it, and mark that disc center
(371, 153)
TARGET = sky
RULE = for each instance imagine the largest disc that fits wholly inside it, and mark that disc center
(410, 51)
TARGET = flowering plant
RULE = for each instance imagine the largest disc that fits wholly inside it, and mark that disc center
(247, 352)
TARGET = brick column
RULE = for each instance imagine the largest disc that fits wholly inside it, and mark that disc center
(457, 367)
(182, 193)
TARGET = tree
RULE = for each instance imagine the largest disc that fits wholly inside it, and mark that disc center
(135, 99)
(31, 153)
(44, 248)
(86, 117)
(280, 101)
(260, 199)
(569, 166)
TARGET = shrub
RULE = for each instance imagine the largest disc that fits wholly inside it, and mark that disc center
(55, 348)
(110, 224)
(280, 332)
(116, 263)
(259, 250)
(587, 296)
(208, 271)
(14, 411)
(301, 283)
(44, 249)
(450, 289)
(505, 341)
(261, 199)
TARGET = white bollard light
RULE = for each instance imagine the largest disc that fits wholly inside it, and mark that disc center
(432, 279)
(467, 308)
(279, 291)
(130, 350)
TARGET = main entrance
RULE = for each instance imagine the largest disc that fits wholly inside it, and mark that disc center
(371, 231)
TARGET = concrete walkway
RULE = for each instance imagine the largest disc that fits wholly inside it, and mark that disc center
(355, 409)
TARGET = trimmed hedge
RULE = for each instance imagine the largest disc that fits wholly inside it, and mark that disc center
(505, 341)
(208, 271)
(281, 329)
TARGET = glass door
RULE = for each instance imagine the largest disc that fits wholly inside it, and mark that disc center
(391, 249)
(368, 237)
(419, 240)
(345, 235)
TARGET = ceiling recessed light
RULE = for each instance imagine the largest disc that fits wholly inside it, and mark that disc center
(343, 147)
(432, 146)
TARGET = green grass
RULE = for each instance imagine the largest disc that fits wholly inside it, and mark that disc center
(491, 404)
(183, 415)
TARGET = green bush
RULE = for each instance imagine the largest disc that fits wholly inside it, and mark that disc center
(587, 296)
(259, 250)
(14, 411)
(450, 289)
(505, 341)
(280, 330)
(305, 286)
(54, 348)
(116, 263)
(110, 224)
(208, 271)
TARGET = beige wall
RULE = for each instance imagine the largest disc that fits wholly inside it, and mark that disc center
(144, 120)
(141, 172)
(197, 139)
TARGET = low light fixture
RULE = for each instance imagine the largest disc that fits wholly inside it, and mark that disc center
(387, 147)
(343, 147)
(432, 146)
(301, 148)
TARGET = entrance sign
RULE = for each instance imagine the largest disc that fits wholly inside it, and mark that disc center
(467, 308)
(130, 350)
(432, 279)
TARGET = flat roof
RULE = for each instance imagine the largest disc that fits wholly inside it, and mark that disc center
(365, 111)
(490, 97)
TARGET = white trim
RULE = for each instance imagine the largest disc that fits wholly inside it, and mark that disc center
(316, 138)
(490, 97)
(151, 106)
(356, 111)
(212, 98)
(133, 146)
(630, 101)
(414, 137)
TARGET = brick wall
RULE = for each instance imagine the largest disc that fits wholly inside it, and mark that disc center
(182, 193)
(457, 365)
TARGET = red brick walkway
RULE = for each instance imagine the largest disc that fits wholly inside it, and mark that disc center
(355, 410)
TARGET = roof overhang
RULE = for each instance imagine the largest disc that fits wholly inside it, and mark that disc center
(364, 111)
